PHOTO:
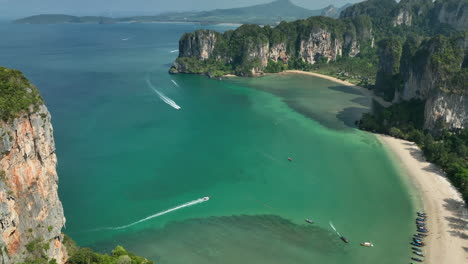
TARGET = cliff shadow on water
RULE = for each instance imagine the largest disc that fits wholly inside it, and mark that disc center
(334, 106)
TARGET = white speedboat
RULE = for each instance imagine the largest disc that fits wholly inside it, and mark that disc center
(367, 244)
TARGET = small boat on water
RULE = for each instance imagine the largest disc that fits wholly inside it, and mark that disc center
(422, 230)
(416, 244)
(290, 159)
(420, 219)
(421, 235)
(418, 253)
(367, 244)
(206, 198)
(344, 239)
(417, 259)
(309, 221)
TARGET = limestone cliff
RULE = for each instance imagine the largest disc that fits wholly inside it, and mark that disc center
(453, 13)
(412, 12)
(434, 71)
(31, 214)
(249, 49)
(199, 44)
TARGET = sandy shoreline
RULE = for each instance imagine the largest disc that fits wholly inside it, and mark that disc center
(448, 215)
(321, 76)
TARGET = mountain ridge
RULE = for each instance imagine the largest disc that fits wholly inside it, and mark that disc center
(270, 13)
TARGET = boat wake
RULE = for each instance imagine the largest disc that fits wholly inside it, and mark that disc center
(172, 51)
(174, 82)
(332, 226)
(194, 202)
(164, 98)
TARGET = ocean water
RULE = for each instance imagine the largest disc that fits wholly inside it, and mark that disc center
(133, 168)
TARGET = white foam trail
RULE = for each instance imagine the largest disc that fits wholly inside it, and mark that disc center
(125, 39)
(194, 202)
(165, 99)
(331, 224)
(172, 51)
(174, 82)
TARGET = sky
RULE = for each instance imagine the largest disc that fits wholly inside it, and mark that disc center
(19, 8)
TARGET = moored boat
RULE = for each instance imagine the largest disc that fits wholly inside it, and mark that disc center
(417, 259)
(309, 221)
(367, 244)
(416, 249)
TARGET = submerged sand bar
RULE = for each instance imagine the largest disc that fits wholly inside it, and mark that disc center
(447, 213)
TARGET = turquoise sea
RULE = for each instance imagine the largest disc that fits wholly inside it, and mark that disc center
(125, 153)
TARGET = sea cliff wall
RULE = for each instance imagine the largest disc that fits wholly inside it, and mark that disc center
(31, 214)
(435, 71)
(249, 49)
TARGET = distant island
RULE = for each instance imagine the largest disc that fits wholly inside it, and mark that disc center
(64, 19)
(263, 14)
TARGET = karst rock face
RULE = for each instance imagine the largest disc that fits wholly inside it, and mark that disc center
(30, 209)
(316, 44)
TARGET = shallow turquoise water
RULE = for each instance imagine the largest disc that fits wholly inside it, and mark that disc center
(124, 154)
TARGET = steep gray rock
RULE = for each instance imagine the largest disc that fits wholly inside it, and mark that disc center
(447, 110)
(427, 75)
(404, 17)
(250, 48)
(30, 209)
(199, 44)
(320, 44)
(453, 12)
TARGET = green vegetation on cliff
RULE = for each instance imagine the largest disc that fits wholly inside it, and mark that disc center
(17, 94)
(248, 49)
(87, 256)
(38, 248)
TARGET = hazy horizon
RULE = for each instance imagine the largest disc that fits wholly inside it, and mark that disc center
(21, 8)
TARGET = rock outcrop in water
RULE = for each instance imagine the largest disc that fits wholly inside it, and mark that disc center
(432, 70)
(31, 214)
(249, 49)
